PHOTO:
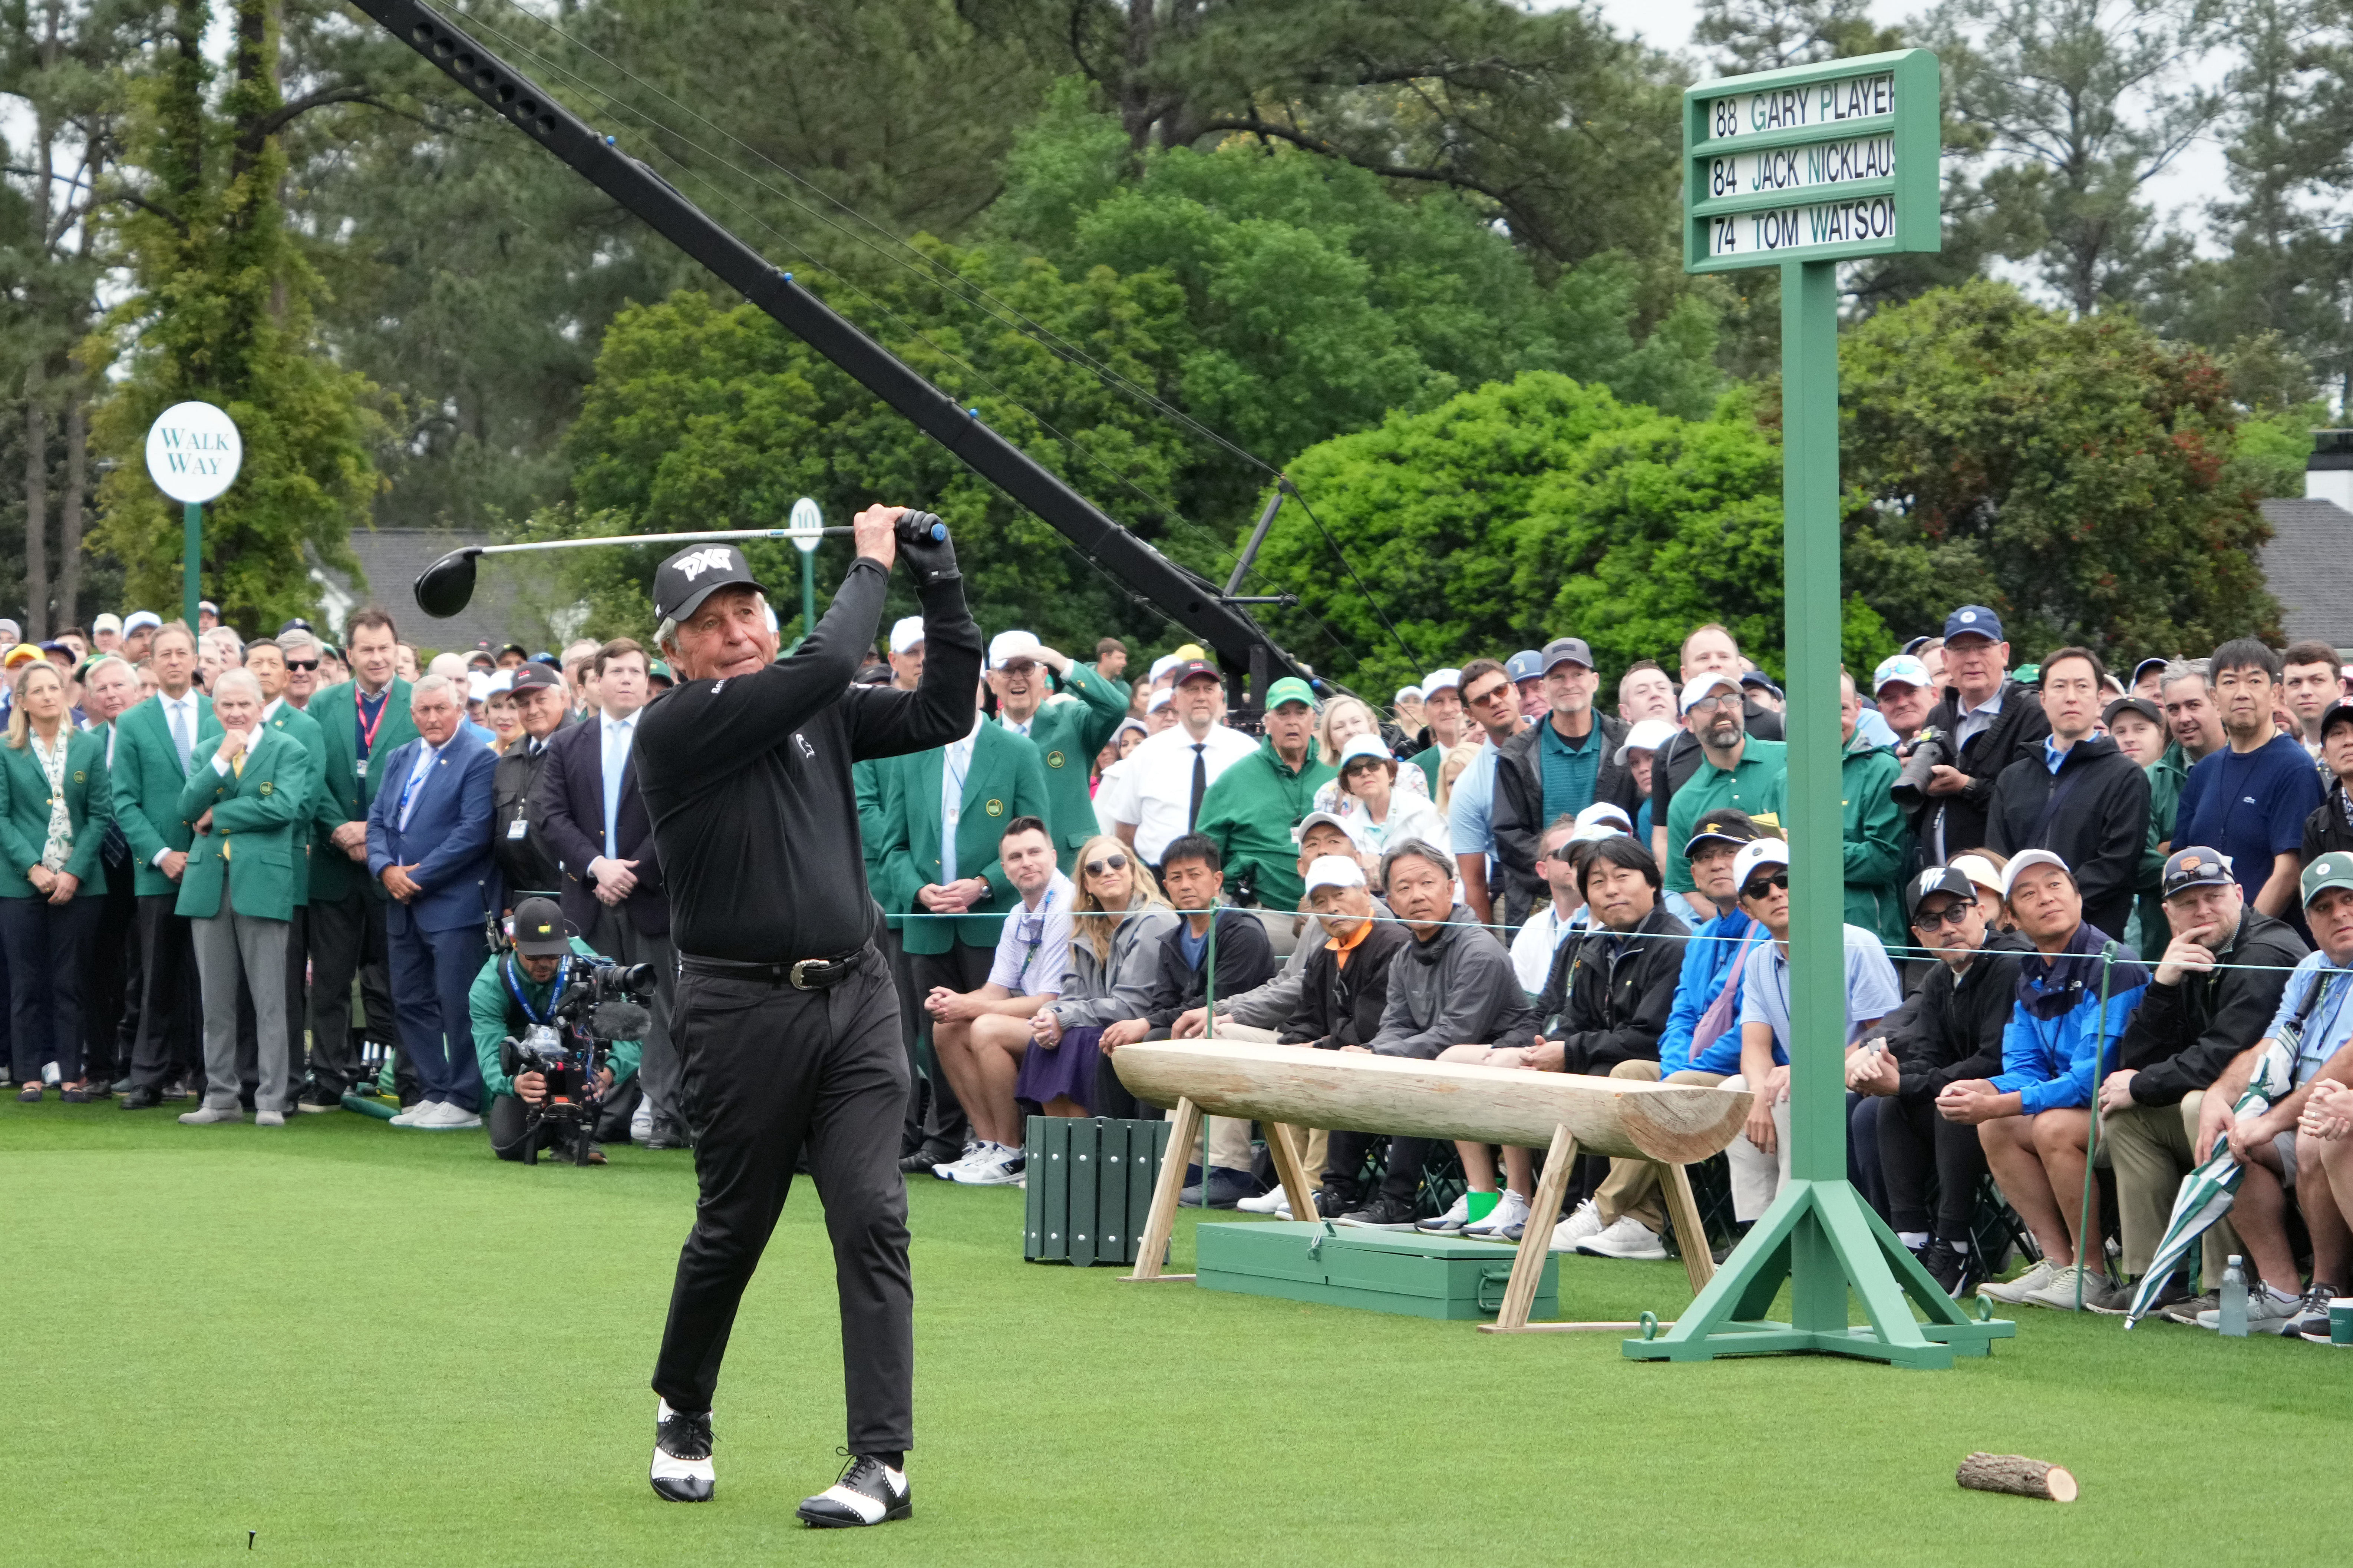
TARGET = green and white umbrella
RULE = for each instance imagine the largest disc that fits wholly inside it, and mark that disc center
(2208, 1192)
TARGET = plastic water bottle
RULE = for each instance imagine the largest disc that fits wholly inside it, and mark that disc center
(2234, 1299)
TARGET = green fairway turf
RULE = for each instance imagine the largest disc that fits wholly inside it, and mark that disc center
(372, 1346)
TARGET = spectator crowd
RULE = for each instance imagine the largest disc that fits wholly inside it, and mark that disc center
(2097, 925)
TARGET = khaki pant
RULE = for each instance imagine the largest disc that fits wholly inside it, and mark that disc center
(1228, 1138)
(1632, 1185)
(2150, 1149)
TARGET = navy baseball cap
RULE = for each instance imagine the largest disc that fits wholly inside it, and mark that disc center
(1525, 665)
(1973, 621)
(2338, 712)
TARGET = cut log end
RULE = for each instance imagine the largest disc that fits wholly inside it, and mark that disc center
(2017, 1475)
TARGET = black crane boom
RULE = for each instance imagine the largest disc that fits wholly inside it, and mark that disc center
(1186, 597)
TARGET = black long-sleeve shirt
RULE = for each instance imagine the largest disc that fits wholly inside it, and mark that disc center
(1956, 1021)
(747, 778)
(2181, 1037)
(1608, 993)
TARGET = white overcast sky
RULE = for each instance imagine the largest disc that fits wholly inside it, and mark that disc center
(2181, 192)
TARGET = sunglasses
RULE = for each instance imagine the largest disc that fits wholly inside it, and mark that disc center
(1759, 886)
(302, 664)
(1108, 863)
(1365, 765)
(1952, 914)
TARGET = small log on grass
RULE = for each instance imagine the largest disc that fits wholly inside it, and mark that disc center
(2017, 1475)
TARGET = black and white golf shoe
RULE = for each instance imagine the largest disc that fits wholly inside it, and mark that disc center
(681, 1469)
(870, 1492)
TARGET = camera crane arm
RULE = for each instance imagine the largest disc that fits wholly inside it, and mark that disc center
(1190, 600)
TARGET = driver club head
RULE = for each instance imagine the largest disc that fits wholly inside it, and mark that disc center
(446, 586)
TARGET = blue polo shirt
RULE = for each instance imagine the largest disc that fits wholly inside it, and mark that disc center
(1871, 989)
(2251, 807)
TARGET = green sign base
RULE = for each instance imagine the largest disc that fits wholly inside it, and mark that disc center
(1825, 1238)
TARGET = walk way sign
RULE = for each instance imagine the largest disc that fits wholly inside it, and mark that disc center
(1813, 163)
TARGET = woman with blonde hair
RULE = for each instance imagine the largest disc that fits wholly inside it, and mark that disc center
(1115, 940)
(1345, 718)
(53, 813)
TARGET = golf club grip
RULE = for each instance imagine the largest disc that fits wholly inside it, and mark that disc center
(921, 527)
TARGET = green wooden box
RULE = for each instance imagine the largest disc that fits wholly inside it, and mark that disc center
(1090, 1187)
(1379, 1270)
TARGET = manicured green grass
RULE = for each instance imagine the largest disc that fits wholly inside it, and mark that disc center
(376, 1347)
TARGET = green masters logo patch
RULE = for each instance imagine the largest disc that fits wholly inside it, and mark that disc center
(996, 808)
(264, 786)
(1053, 759)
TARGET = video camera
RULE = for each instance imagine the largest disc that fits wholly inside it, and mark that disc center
(600, 1004)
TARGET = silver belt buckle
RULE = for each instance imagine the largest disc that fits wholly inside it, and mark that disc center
(798, 984)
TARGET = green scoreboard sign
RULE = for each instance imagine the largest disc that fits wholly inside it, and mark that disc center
(1813, 163)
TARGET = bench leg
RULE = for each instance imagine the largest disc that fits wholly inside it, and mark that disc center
(1162, 1222)
(1535, 1241)
(1691, 1235)
(1295, 1184)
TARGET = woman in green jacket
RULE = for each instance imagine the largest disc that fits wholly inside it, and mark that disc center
(53, 807)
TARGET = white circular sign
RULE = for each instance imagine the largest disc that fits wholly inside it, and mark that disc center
(805, 521)
(193, 452)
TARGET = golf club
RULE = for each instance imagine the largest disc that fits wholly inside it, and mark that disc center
(446, 586)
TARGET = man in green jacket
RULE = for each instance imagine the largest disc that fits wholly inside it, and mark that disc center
(110, 1015)
(364, 718)
(941, 816)
(267, 661)
(245, 797)
(1067, 734)
(153, 744)
(2138, 726)
(514, 990)
(1255, 806)
(1876, 841)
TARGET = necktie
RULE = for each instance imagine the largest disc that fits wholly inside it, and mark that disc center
(1200, 785)
(181, 742)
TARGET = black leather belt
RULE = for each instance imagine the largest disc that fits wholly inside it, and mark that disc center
(804, 974)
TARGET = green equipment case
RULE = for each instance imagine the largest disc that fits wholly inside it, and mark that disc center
(1378, 1270)
(1090, 1187)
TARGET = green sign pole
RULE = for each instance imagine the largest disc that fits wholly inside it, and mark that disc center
(1801, 169)
(191, 560)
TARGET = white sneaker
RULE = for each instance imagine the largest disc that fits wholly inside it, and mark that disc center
(1581, 1226)
(2017, 1290)
(1511, 1209)
(971, 1151)
(1453, 1220)
(1624, 1237)
(447, 1118)
(410, 1117)
(270, 1119)
(2060, 1294)
(996, 1166)
(204, 1116)
(1266, 1202)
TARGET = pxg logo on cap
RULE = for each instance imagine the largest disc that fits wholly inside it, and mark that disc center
(692, 575)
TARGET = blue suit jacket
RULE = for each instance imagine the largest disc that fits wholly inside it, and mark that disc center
(447, 839)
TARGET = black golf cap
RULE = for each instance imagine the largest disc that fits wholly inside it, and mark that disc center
(1724, 827)
(693, 574)
(539, 930)
(1937, 880)
(2195, 865)
(2146, 708)
(532, 677)
(2338, 712)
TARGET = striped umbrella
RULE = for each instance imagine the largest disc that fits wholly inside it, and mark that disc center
(2208, 1192)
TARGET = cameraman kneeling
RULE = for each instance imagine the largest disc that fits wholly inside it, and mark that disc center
(514, 990)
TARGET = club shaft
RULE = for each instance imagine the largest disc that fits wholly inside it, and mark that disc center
(656, 538)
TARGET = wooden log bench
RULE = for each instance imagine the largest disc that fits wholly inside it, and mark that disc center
(1565, 1114)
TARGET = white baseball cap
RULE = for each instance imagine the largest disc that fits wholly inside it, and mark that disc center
(1757, 852)
(907, 634)
(1159, 699)
(1334, 871)
(108, 622)
(1312, 819)
(1408, 694)
(503, 681)
(1707, 686)
(1366, 746)
(1979, 870)
(1438, 680)
(2022, 860)
(1601, 811)
(477, 687)
(137, 619)
(1589, 832)
(1007, 646)
(1163, 665)
(1647, 736)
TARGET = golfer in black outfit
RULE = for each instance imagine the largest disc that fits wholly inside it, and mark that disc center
(787, 1021)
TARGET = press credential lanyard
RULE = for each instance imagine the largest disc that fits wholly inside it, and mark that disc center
(554, 989)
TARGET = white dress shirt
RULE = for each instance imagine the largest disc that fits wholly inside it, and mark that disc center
(179, 712)
(1156, 792)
